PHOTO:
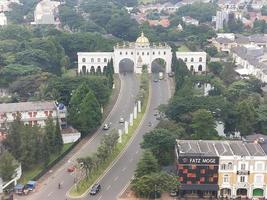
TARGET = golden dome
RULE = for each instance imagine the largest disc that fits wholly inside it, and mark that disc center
(142, 39)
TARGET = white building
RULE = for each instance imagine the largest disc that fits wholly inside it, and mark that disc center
(45, 12)
(190, 21)
(16, 177)
(195, 61)
(3, 19)
(251, 60)
(32, 113)
(4, 4)
(140, 53)
(221, 18)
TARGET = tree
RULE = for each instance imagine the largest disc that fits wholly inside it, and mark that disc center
(146, 185)
(50, 135)
(246, 117)
(212, 51)
(264, 10)
(58, 138)
(215, 67)
(87, 164)
(228, 74)
(147, 164)
(259, 26)
(203, 125)
(84, 110)
(8, 166)
(261, 118)
(161, 142)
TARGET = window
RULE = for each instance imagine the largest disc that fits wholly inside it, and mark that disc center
(230, 166)
(105, 60)
(120, 53)
(159, 52)
(191, 68)
(185, 59)
(148, 53)
(131, 53)
(153, 53)
(126, 53)
(84, 60)
(92, 60)
(226, 178)
(143, 53)
(192, 59)
(200, 68)
(200, 59)
(243, 166)
(243, 179)
(164, 52)
(138, 53)
(259, 166)
(223, 166)
(98, 60)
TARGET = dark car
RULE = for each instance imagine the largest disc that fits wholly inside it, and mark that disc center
(95, 189)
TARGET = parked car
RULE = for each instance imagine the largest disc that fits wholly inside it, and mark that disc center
(71, 169)
(106, 127)
(95, 189)
(173, 193)
(171, 74)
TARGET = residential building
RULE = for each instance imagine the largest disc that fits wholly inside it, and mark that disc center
(223, 169)
(195, 61)
(3, 19)
(4, 4)
(223, 44)
(251, 60)
(46, 12)
(221, 18)
(32, 113)
(190, 21)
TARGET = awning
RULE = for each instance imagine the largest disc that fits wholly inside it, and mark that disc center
(201, 187)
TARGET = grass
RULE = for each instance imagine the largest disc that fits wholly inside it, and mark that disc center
(183, 48)
(34, 171)
(70, 73)
(85, 184)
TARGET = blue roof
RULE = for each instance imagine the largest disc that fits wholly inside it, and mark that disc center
(31, 183)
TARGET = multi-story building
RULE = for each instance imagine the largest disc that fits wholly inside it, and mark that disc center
(32, 113)
(190, 21)
(221, 18)
(233, 169)
(195, 61)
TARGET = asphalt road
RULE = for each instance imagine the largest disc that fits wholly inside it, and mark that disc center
(48, 190)
(121, 173)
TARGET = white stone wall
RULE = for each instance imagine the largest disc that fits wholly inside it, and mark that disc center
(71, 137)
(93, 60)
(195, 61)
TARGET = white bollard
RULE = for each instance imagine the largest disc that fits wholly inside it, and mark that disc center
(113, 86)
(102, 110)
(139, 106)
(135, 112)
(126, 124)
(131, 119)
(120, 136)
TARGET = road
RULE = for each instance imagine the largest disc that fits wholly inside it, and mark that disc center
(120, 174)
(48, 190)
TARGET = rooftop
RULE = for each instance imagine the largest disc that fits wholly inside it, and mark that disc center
(27, 106)
(218, 148)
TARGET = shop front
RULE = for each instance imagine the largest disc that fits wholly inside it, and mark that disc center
(198, 191)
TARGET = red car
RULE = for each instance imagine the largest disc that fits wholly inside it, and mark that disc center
(71, 169)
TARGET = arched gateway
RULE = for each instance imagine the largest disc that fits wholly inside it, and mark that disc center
(141, 52)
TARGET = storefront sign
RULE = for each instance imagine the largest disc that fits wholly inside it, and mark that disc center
(199, 160)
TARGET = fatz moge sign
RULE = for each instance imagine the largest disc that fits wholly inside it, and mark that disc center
(199, 160)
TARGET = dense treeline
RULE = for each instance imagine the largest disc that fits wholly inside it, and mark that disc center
(31, 145)
(238, 103)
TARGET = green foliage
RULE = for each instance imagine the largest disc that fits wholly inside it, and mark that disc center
(228, 74)
(161, 142)
(264, 10)
(147, 164)
(84, 110)
(215, 67)
(261, 118)
(259, 26)
(200, 11)
(203, 125)
(212, 51)
(8, 166)
(234, 25)
(147, 185)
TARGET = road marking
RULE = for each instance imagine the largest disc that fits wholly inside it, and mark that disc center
(100, 197)
(124, 169)
(115, 179)
(50, 194)
(108, 187)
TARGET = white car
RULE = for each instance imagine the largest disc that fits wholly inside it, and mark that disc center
(106, 127)
(121, 120)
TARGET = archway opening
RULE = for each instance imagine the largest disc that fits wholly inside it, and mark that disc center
(225, 192)
(126, 65)
(92, 70)
(158, 65)
(241, 192)
(98, 70)
(84, 69)
(258, 192)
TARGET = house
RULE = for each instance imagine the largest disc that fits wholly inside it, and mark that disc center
(32, 113)
(190, 21)
(45, 12)
(195, 61)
